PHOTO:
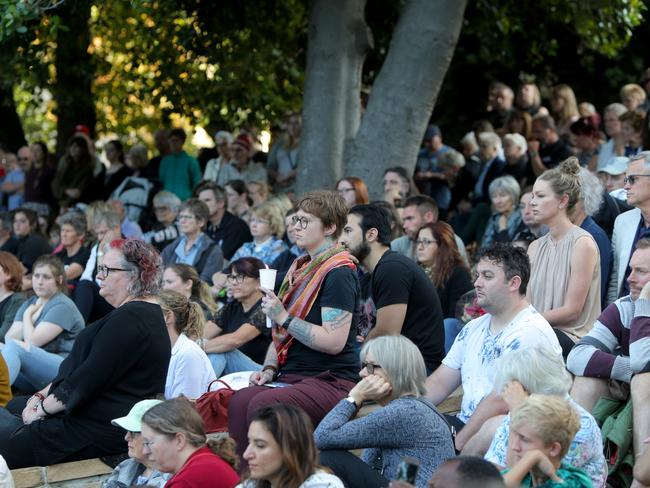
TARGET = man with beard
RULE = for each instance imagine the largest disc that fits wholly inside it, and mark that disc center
(401, 293)
(511, 323)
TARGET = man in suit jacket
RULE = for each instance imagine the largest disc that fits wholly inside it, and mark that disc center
(632, 225)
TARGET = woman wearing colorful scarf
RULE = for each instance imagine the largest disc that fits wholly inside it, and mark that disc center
(314, 323)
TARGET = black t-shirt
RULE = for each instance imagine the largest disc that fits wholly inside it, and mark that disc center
(30, 248)
(232, 317)
(554, 154)
(231, 234)
(81, 258)
(340, 289)
(398, 279)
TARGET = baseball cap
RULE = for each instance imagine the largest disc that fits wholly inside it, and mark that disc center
(133, 420)
(616, 166)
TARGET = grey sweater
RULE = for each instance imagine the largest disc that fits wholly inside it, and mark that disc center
(404, 427)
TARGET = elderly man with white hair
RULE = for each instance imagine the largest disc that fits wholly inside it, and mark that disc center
(515, 149)
(219, 169)
(489, 146)
(539, 370)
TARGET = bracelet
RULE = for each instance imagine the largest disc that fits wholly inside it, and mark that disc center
(40, 398)
(287, 322)
(43, 408)
(270, 367)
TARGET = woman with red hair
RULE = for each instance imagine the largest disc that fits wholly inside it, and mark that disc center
(438, 254)
(353, 190)
(587, 139)
(114, 363)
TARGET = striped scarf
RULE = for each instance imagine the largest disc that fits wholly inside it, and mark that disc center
(300, 288)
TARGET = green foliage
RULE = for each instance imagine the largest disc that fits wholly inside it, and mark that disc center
(189, 62)
(16, 15)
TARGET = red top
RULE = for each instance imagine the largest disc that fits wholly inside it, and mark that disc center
(204, 469)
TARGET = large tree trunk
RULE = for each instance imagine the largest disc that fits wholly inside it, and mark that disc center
(405, 91)
(74, 72)
(338, 41)
(12, 136)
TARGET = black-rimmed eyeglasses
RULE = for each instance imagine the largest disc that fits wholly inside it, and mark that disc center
(106, 270)
(301, 222)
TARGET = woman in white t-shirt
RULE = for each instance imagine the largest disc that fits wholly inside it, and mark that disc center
(190, 371)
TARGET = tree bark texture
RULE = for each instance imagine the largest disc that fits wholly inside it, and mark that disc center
(338, 41)
(405, 90)
(74, 72)
(12, 136)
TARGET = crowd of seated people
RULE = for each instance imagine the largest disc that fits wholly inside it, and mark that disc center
(493, 265)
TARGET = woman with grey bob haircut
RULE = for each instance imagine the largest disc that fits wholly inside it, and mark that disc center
(505, 223)
(539, 370)
(405, 424)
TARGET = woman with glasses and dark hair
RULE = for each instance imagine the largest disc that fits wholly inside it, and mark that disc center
(440, 258)
(114, 363)
(393, 375)
(281, 451)
(240, 339)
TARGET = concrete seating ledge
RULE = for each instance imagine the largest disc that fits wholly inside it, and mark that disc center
(87, 474)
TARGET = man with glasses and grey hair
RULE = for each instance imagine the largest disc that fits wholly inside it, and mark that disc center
(630, 226)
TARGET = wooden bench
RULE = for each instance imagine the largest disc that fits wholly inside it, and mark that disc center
(87, 474)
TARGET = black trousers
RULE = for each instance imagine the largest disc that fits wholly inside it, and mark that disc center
(352, 470)
(566, 343)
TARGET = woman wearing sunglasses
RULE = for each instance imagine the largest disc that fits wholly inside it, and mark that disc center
(240, 338)
(406, 424)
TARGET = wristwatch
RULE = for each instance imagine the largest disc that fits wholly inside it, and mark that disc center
(287, 321)
(352, 401)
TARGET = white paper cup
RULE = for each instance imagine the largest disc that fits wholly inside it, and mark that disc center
(267, 280)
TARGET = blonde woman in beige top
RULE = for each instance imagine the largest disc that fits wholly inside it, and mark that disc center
(565, 263)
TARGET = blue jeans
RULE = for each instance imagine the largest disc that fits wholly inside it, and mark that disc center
(452, 328)
(30, 370)
(232, 362)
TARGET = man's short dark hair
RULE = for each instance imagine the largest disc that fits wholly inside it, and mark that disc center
(218, 192)
(512, 259)
(374, 217)
(180, 133)
(424, 203)
(546, 121)
(404, 174)
(475, 472)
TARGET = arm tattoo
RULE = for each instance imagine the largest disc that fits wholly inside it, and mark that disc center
(335, 318)
(302, 330)
(271, 356)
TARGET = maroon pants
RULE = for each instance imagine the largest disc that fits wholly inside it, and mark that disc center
(316, 395)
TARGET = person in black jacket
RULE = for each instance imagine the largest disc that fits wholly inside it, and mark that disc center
(114, 363)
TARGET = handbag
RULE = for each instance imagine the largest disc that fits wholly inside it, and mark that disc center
(213, 407)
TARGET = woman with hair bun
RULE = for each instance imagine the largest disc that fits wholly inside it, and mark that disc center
(190, 371)
(564, 283)
(175, 442)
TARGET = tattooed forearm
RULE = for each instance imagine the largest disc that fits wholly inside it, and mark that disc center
(302, 330)
(271, 356)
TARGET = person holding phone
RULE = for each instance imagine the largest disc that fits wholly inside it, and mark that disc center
(406, 424)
